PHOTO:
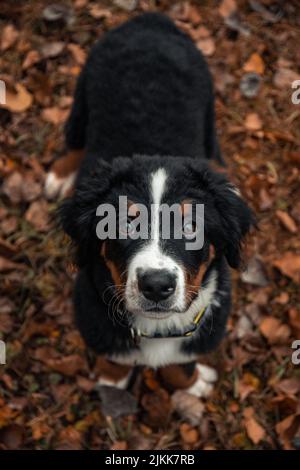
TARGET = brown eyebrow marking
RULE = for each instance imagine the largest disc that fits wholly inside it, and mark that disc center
(186, 207)
(133, 208)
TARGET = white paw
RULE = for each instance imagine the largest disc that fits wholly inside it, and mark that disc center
(204, 383)
(120, 384)
(58, 186)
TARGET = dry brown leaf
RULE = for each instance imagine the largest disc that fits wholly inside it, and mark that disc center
(98, 12)
(188, 434)
(38, 215)
(227, 8)
(253, 122)
(289, 386)
(207, 46)
(78, 53)
(287, 221)
(274, 331)
(189, 407)
(254, 64)
(17, 100)
(33, 57)
(289, 265)
(52, 49)
(55, 115)
(12, 187)
(254, 430)
(68, 365)
(284, 78)
(7, 265)
(8, 37)
(12, 436)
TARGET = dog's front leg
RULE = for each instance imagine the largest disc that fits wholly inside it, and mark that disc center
(113, 374)
(196, 379)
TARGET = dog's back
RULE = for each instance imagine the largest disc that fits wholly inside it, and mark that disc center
(145, 89)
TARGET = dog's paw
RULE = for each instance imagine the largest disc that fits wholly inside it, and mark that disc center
(58, 186)
(121, 384)
(204, 384)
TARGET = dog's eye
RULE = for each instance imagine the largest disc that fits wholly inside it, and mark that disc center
(189, 230)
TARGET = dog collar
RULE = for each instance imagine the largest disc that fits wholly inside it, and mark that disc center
(188, 331)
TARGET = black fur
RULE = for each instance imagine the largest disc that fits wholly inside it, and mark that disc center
(147, 90)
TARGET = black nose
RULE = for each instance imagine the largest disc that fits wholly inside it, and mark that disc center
(157, 284)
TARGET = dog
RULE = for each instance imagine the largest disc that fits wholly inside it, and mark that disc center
(142, 126)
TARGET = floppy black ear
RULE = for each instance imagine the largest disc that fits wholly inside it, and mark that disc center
(77, 213)
(227, 217)
(236, 219)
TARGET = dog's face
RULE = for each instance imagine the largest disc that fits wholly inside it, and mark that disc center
(160, 272)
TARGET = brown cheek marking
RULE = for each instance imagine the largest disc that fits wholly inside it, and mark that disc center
(175, 377)
(110, 370)
(68, 164)
(113, 268)
(193, 281)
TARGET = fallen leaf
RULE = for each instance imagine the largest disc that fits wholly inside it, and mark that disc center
(68, 365)
(284, 78)
(254, 274)
(78, 53)
(254, 430)
(32, 58)
(289, 386)
(289, 265)
(12, 187)
(274, 331)
(253, 122)
(287, 221)
(116, 403)
(38, 215)
(254, 64)
(12, 436)
(9, 37)
(7, 265)
(188, 434)
(58, 12)
(207, 46)
(282, 298)
(227, 8)
(128, 5)
(98, 12)
(189, 407)
(52, 49)
(55, 115)
(17, 100)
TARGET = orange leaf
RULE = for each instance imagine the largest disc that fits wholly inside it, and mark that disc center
(254, 64)
(18, 100)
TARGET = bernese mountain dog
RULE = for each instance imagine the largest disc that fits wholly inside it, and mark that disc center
(142, 126)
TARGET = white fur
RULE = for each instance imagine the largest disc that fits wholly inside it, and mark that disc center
(120, 384)
(203, 386)
(55, 186)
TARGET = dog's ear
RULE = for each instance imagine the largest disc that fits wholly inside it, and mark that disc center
(227, 217)
(77, 213)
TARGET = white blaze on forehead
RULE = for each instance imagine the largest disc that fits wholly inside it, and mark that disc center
(157, 187)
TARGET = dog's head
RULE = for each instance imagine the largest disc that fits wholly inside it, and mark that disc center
(158, 270)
